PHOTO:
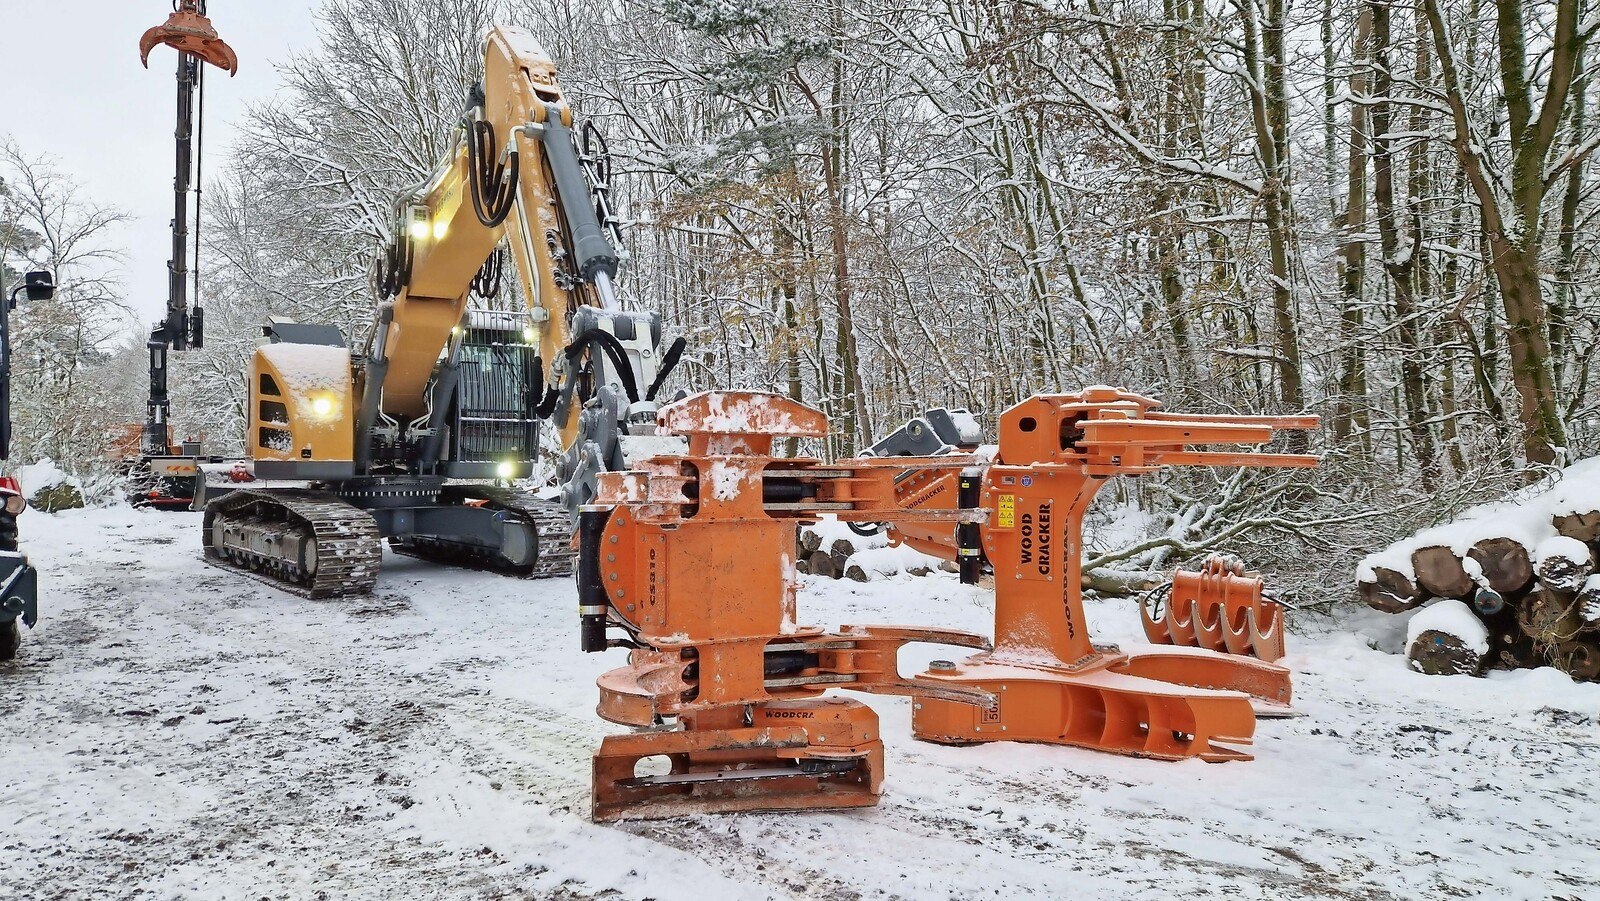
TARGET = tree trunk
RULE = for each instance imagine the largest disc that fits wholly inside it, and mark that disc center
(1512, 219)
(1399, 262)
(1264, 55)
(1350, 411)
(1567, 252)
(855, 425)
(788, 292)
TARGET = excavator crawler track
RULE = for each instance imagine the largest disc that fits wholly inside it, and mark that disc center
(305, 542)
(552, 526)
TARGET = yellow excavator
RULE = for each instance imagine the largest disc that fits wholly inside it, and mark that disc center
(413, 437)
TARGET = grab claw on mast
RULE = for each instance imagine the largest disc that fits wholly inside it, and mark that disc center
(188, 30)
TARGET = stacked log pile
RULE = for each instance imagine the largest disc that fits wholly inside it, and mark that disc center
(829, 549)
(1525, 568)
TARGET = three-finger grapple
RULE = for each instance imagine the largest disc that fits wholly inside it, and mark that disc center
(188, 30)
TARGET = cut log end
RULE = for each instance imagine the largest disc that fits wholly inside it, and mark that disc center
(1582, 526)
(822, 564)
(1550, 617)
(1391, 592)
(810, 541)
(1589, 602)
(1437, 653)
(1564, 564)
(1504, 562)
(1440, 573)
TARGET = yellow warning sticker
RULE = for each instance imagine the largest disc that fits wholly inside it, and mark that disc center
(1006, 515)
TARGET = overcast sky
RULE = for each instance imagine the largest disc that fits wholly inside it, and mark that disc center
(71, 87)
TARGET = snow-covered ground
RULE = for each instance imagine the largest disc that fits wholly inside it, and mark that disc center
(171, 731)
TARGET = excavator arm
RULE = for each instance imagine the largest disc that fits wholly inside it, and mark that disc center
(515, 175)
(394, 441)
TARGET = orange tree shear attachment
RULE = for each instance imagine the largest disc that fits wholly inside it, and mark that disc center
(188, 30)
(691, 558)
(1053, 684)
(1219, 608)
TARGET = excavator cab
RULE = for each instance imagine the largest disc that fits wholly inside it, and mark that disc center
(492, 423)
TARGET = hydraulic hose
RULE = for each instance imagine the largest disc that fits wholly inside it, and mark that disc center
(615, 351)
(493, 185)
(668, 363)
(391, 271)
(548, 396)
(486, 283)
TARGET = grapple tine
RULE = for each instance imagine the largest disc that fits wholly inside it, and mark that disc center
(1181, 623)
(1119, 712)
(1219, 608)
(147, 43)
(1157, 631)
(725, 770)
(1208, 628)
(1198, 668)
(188, 31)
(1263, 632)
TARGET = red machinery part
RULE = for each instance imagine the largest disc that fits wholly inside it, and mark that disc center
(1219, 608)
(188, 30)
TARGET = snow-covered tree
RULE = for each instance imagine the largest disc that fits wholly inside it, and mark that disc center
(68, 396)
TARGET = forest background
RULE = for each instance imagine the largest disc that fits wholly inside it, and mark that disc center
(1381, 212)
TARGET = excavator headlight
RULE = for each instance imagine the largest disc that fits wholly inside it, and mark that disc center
(417, 222)
(529, 335)
(15, 504)
(504, 470)
(439, 228)
(322, 406)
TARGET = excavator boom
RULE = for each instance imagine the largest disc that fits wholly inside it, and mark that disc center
(451, 387)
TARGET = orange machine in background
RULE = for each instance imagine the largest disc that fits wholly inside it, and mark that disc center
(691, 558)
(188, 30)
(1220, 608)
